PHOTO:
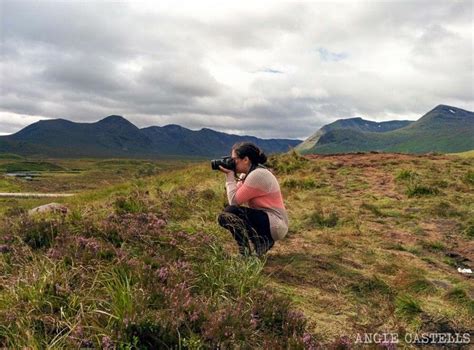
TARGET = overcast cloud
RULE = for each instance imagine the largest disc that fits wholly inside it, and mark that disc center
(270, 69)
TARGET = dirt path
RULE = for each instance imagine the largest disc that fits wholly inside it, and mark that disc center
(36, 195)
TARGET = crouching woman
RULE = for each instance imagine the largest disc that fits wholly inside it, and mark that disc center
(264, 220)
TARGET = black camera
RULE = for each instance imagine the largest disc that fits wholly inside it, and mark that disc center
(226, 162)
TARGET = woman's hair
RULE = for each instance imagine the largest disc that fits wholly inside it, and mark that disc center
(248, 149)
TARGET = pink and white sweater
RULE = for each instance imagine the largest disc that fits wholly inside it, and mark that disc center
(260, 190)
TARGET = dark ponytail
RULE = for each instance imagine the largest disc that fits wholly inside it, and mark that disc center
(248, 149)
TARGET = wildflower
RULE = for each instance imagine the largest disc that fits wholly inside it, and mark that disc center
(194, 316)
(163, 273)
(309, 342)
(86, 343)
(53, 253)
(107, 343)
(4, 248)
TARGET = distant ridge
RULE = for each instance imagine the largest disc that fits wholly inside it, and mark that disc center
(115, 136)
(443, 129)
(353, 124)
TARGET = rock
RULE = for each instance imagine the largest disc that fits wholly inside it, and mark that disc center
(49, 208)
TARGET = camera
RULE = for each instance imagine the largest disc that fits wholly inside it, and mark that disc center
(226, 162)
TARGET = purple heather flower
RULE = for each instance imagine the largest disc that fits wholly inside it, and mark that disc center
(107, 343)
(163, 273)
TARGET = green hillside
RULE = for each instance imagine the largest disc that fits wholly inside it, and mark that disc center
(444, 129)
(374, 245)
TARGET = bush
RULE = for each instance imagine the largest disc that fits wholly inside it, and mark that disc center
(39, 233)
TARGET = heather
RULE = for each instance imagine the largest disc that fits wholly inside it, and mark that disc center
(374, 245)
(129, 281)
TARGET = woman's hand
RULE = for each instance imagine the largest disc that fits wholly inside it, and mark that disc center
(224, 170)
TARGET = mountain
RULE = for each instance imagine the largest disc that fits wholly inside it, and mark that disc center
(443, 129)
(115, 136)
(357, 124)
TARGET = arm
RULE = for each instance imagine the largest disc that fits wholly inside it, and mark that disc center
(239, 193)
(231, 187)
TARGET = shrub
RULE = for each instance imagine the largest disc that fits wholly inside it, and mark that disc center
(273, 313)
(128, 282)
(39, 233)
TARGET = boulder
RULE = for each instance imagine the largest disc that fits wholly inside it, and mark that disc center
(49, 208)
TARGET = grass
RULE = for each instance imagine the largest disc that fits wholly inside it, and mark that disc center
(29, 166)
(140, 261)
(319, 219)
(407, 307)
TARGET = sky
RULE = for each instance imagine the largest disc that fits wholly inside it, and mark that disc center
(271, 69)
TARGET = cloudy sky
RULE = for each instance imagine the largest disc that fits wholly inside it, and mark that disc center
(266, 68)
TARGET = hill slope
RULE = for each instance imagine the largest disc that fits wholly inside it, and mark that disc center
(443, 129)
(115, 136)
(374, 245)
(357, 124)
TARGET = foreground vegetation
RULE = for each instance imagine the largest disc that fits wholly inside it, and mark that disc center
(374, 245)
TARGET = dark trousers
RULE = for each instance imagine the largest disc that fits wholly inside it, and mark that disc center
(247, 223)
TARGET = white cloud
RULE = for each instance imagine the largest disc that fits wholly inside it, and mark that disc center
(267, 68)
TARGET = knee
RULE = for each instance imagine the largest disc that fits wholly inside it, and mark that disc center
(232, 209)
(223, 219)
(228, 215)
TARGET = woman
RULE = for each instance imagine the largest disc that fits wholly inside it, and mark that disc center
(265, 220)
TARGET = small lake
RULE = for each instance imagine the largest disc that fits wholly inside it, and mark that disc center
(24, 175)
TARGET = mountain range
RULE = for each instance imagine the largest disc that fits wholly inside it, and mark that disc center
(115, 136)
(443, 129)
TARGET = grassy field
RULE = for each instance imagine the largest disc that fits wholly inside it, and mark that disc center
(374, 244)
(71, 176)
